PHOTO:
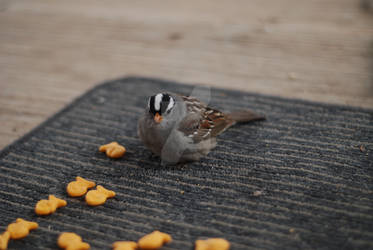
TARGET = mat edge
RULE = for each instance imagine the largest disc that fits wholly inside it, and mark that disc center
(129, 78)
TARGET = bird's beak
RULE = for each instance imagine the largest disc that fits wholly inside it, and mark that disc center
(158, 118)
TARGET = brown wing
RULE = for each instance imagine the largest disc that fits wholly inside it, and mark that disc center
(217, 121)
(203, 122)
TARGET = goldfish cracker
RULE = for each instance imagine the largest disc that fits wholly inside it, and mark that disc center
(113, 150)
(212, 244)
(154, 240)
(79, 187)
(4, 239)
(21, 228)
(72, 241)
(124, 245)
(98, 196)
(45, 207)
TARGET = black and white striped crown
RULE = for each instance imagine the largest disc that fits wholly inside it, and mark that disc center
(161, 103)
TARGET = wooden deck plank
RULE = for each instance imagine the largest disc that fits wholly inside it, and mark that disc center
(53, 51)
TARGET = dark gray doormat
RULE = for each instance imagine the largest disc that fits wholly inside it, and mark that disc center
(312, 164)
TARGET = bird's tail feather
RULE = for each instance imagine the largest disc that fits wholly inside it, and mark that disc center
(245, 116)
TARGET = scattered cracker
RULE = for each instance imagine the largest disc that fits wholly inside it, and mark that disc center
(45, 207)
(71, 241)
(98, 196)
(154, 240)
(212, 244)
(21, 228)
(113, 150)
(4, 240)
(79, 187)
(124, 245)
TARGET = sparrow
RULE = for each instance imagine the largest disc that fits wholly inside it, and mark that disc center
(183, 129)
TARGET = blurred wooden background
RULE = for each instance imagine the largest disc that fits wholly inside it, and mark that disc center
(53, 51)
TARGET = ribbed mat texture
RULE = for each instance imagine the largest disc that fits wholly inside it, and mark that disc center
(302, 179)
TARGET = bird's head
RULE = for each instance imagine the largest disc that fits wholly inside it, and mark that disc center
(160, 106)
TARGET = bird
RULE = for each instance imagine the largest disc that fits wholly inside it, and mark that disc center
(183, 129)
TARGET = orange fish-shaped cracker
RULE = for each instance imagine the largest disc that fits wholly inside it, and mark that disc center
(124, 245)
(71, 241)
(98, 196)
(113, 150)
(21, 228)
(212, 244)
(4, 240)
(154, 240)
(79, 187)
(45, 207)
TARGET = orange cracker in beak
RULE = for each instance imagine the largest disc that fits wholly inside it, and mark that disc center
(158, 118)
